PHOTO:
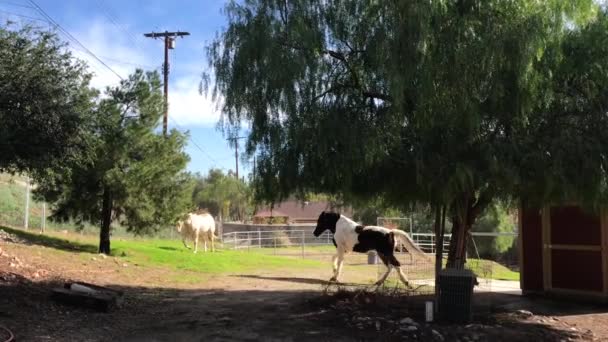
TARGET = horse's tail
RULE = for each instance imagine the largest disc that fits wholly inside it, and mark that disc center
(409, 244)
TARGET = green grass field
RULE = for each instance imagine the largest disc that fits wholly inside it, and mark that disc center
(171, 254)
(492, 269)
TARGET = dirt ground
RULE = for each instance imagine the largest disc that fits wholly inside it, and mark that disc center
(263, 306)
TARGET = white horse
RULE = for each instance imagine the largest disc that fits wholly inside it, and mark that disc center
(195, 226)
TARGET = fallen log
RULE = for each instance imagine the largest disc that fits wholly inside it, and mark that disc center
(88, 295)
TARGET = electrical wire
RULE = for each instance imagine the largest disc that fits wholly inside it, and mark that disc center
(72, 38)
(24, 16)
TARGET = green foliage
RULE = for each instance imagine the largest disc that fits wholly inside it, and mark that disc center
(450, 103)
(367, 212)
(45, 100)
(223, 195)
(10, 210)
(564, 144)
(496, 219)
(413, 100)
(130, 174)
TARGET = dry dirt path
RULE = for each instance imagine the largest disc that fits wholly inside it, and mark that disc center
(282, 305)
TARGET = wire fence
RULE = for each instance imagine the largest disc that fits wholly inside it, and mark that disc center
(480, 244)
(491, 256)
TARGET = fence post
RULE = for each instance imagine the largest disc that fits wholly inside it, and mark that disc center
(303, 244)
(26, 213)
(259, 238)
(43, 223)
(274, 239)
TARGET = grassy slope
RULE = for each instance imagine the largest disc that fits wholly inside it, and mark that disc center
(169, 254)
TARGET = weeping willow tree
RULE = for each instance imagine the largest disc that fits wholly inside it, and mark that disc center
(431, 102)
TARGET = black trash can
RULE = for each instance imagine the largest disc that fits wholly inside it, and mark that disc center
(456, 295)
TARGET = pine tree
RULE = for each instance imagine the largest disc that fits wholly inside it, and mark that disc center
(130, 173)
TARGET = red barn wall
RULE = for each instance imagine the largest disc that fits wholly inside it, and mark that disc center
(532, 250)
(576, 270)
(571, 225)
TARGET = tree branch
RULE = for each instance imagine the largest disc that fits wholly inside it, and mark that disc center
(365, 93)
(484, 199)
(343, 58)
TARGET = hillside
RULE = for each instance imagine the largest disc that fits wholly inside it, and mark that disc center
(12, 202)
(12, 209)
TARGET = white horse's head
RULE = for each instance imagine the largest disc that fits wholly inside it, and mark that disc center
(179, 226)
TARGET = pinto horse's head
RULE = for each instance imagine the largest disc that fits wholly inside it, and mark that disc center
(327, 220)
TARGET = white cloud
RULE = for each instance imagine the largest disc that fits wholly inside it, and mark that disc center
(187, 106)
(123, 53)
(113, 47)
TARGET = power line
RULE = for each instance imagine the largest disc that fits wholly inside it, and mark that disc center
(134, 39)
(24, 16)
(144, 66)
(214, 161)
(72, 38)
(10, 3)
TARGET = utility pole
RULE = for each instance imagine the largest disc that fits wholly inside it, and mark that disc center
(235, 141)
(254, 162)
(169, 38)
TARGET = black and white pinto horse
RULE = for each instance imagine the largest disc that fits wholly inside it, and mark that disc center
(350, 236)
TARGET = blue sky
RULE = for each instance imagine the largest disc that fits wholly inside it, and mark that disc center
(113, 30)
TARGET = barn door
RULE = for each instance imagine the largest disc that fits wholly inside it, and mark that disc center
(574, 251)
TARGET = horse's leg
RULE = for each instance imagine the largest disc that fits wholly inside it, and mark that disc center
(334, 267)
(389, 268)
(337, 264)
(195, 242)
(184, 241)
(205, 242)
(340, 263)
(397, 265)
(212, 236)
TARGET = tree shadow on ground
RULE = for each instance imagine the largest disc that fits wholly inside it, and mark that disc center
(299, 280)
(166, 248)
(33, 238)
(169, 314)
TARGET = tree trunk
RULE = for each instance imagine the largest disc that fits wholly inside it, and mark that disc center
(465, 211)
(106, 221)
(463, 216)
(458, 243)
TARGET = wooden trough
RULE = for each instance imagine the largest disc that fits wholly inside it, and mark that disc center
(88, 295)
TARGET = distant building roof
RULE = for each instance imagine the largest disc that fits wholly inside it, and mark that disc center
(297, 210)
(270, 213)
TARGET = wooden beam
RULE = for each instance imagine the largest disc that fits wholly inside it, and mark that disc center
(578, 293)
(604, 230)
(520, 242)
(593, 248)
(546, 240)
